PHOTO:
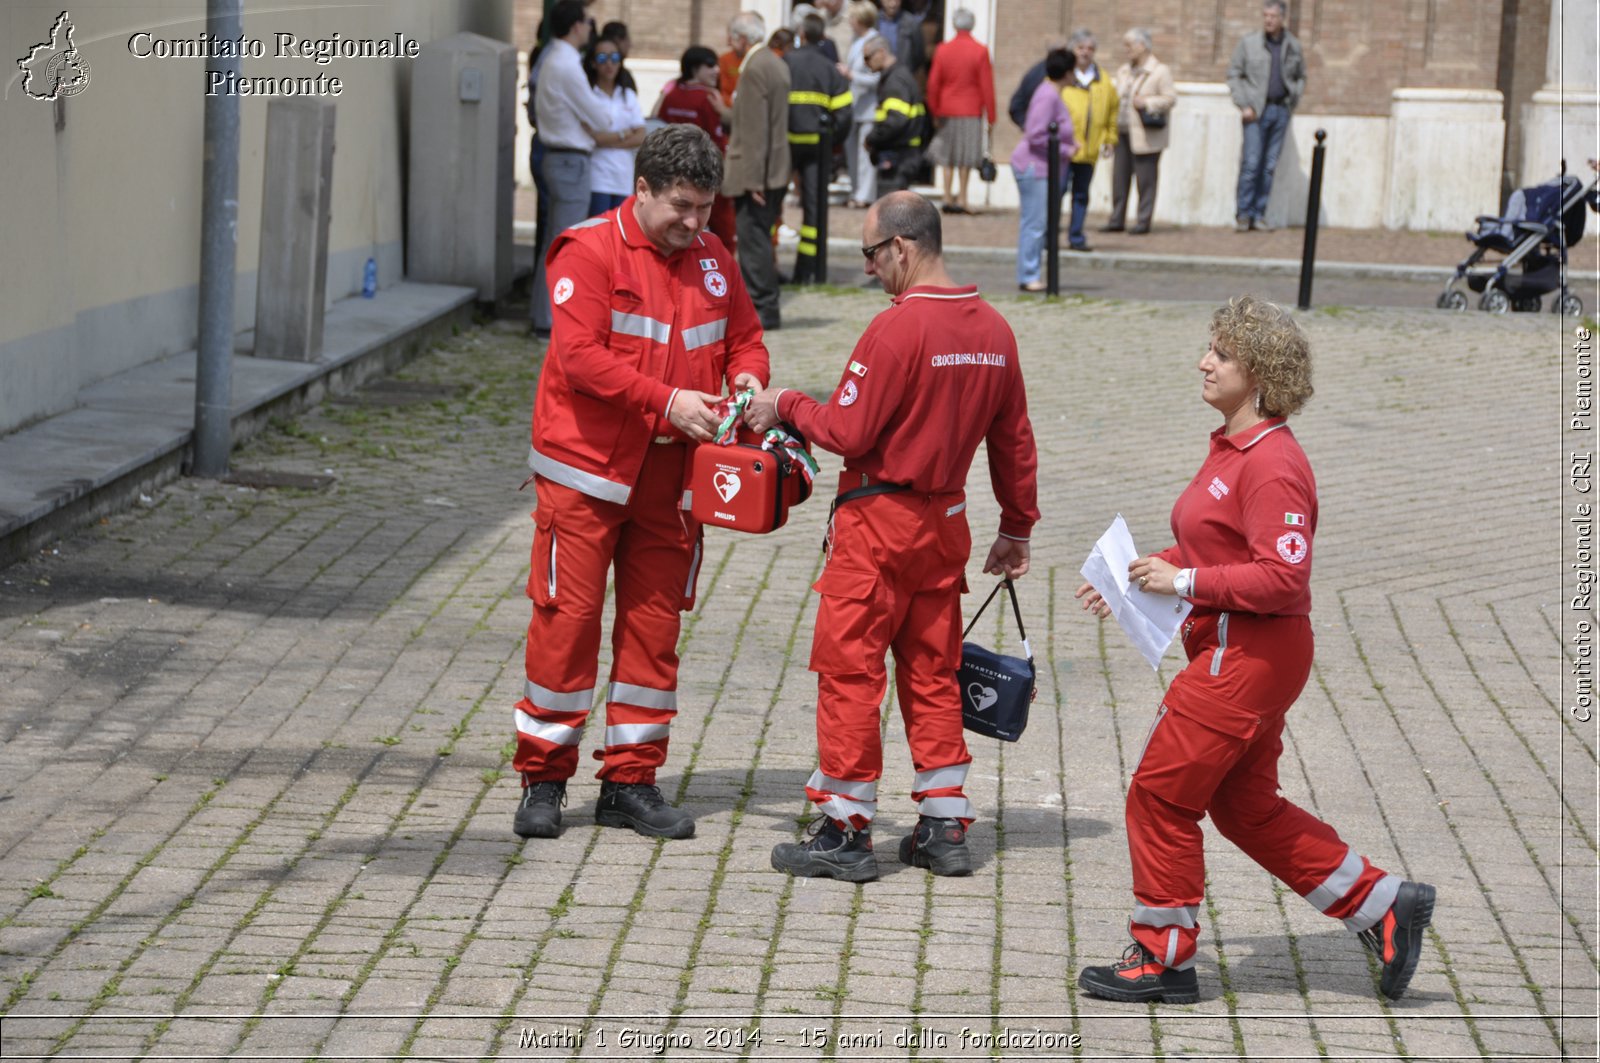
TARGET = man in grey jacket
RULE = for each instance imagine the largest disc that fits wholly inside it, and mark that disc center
(1266, 77)
(758, 162)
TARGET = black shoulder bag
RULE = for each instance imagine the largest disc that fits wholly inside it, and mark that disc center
(996, 690)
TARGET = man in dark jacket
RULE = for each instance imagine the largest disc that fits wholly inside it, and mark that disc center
(900, 127)
(816, 89)
(1018, 108)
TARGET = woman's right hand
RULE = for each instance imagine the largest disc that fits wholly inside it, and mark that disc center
(1094, 604)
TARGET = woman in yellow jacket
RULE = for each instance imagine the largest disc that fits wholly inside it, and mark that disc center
(1091, 98)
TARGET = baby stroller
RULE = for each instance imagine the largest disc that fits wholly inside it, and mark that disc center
(1531, 241)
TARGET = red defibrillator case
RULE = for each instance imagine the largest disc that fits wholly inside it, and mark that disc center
(745, 486)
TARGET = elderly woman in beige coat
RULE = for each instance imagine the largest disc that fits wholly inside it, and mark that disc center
(1145, 89)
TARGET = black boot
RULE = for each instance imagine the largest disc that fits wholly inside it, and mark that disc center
(1397, 938)
(640, 806)
(1139, 979)
(830, 852)
(539, 814)
(940, 845)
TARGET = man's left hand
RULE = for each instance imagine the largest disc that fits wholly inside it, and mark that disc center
(1007, 557)
(745, 381)
(762, 412)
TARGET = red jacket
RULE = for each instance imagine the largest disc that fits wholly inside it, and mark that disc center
(631, 328)
(1245, 523)
(930, 378)
(961, 83)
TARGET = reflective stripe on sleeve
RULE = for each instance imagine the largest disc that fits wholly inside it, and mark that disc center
(557, 734)
(802, 96)
(899, 106)
(844, 99)
(640, 325)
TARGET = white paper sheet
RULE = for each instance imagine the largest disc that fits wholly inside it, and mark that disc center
(1151, 620)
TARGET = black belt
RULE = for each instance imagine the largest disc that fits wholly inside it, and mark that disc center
(552, 150)
(1279, 102)
(868, 487)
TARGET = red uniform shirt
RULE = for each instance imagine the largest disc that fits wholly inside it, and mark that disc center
(631, 328)
(690, 104)
(930, 378)
(1245, 523)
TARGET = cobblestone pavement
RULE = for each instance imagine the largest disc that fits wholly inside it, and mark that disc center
(256, 797)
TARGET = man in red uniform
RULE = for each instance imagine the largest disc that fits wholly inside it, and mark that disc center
(932, 377)
(650, 319)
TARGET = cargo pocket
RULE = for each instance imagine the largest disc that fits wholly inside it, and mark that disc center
(544, 569)
(1187, 754)
(844, 619)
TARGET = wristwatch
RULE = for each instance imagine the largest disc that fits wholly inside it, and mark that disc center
(1183, 582)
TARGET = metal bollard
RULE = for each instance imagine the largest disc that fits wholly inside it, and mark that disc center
(824, 178)
(1308, 257)
(1052, 215)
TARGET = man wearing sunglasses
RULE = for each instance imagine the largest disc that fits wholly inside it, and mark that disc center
(932, 376)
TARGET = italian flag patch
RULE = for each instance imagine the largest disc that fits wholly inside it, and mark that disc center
(1294, 519)
(858, 369)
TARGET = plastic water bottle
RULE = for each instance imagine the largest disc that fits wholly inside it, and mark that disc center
(369, 279)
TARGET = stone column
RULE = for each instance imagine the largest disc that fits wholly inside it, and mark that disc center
(1560, 121)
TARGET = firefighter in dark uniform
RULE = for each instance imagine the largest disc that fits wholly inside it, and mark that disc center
(900, 127)
(816, 88)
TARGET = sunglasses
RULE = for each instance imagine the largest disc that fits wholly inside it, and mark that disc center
(869, 253)
(608, 57)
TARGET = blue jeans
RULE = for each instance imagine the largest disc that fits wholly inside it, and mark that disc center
(566, 178)
(1078, 176)
(1263, 140)
(1032, 190)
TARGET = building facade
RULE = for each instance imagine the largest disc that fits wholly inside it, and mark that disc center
(1434, 109)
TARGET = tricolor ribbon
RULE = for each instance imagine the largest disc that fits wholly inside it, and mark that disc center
(775, 440)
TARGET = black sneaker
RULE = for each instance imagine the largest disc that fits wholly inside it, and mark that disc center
(639, 805)
(830, 852)
(940, 845)
(1139, 979)
(1396, 939)
(539, 814)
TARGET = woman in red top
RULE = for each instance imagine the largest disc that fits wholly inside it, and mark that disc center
(693, 99)
(1244, 529)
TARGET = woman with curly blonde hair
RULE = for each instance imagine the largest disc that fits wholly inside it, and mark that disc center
(1244, 528)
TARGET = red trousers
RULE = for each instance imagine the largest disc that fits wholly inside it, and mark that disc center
(655, 548)
(892, 583)
(1213, 750)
